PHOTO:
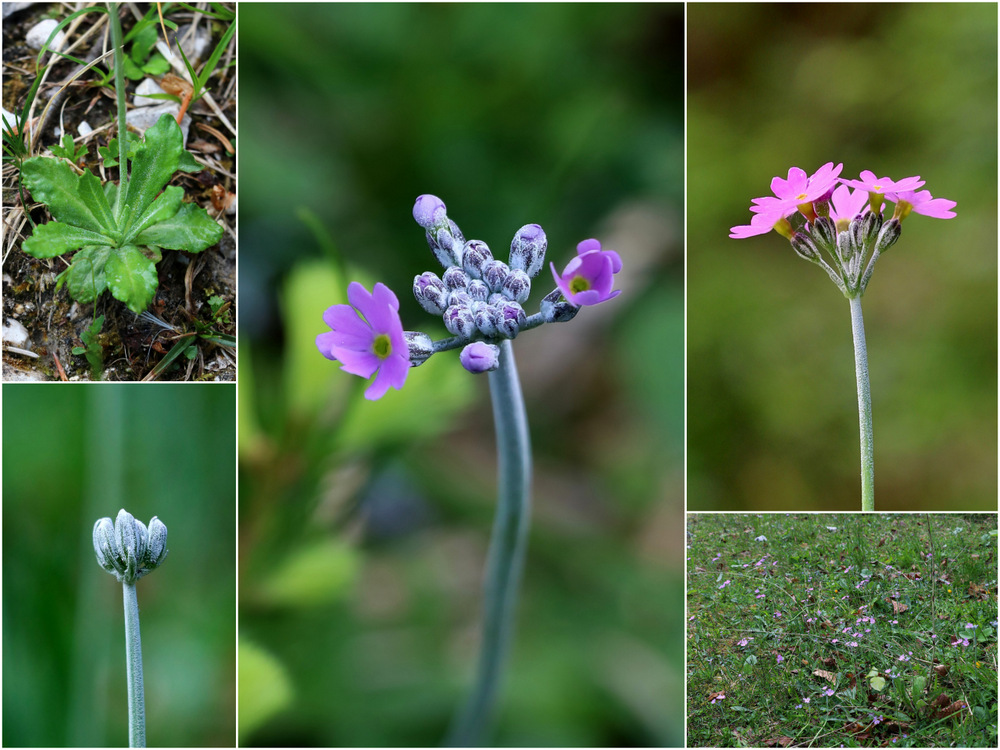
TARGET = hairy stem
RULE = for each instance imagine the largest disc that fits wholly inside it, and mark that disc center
(133, 666)
(864, 407)
(507, 549)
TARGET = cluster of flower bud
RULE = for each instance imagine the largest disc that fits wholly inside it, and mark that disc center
(127, 548)
(477, 295)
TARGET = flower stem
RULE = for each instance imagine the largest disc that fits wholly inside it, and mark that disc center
(133, 665)
(864, 407)
(116, 42)
(507, 548)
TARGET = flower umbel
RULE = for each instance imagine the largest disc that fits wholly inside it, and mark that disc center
(367, 338)
(127, 548)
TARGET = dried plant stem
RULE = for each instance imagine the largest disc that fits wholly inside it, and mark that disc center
(507, 549)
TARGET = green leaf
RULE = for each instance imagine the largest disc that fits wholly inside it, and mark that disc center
(312, 574)
(131, 70)
(877, 683)
(264, 689)
(86, 278)
(56, 238)
(131, 278)
(166, 205)
(188, 163)
(142, 43)
(191, 229)
(54, 183)
(154, 164)
(93, 194)
(156, 66)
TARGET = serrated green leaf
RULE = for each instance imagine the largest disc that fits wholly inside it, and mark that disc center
(166, 205)
(85, 277)
(54, 183)
(92, 193)
(56, 238)
(131, 277)
(154, 164)
(191, 229)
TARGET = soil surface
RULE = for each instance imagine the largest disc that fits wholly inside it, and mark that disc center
(196, 298)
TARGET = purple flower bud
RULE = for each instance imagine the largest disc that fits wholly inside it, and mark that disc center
(496, 298)
(486, 318)
(527, 249)
(456, 279)
(461, 297)
(474, 255)
(429, 210)
(888, 235)
(478, 290)
(555, 309)
(420, 345)
(458, 320)
(442, 249)
(430, 292)
(803, 246)
(495, 273)
(517, 286)
(479, 357)
(512, 317)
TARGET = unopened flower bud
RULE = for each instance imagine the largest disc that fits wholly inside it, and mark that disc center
(478, 290)
(486, 318)
(430, 292)
(429, 211)
(456, 279)
(527, 249)
(420, 345)
(804, 246)
(517, 286)
(871, 223)
(512, 317)
(824, 233)
(479, 357)
(127, 549)
(888, 235)
(846, 246)
(475, 254)
(460, 297)
(556, 309)
(458, 320)
(495, 272)
(157, 549)
(104, 547)
(447, 243)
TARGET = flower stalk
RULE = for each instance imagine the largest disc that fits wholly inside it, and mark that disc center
(508, 545)
(133, 666)
(864, 407)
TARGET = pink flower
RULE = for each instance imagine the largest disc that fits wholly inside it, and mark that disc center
(763, 222)
(367, 338)
(588, 278)
(921, 202)
(872, 184)
(802, 189)
(847, 204)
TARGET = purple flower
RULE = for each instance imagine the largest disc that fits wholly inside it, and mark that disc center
(801, 189)
(764, 222)
(828, 692)
(367, 338)
(921, 202)
(479, 357)
(743, 642)
(881, 185)
(588, 278)
(806, 700)
(847, 204)
(780, 658)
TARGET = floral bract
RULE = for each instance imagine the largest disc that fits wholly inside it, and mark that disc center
(367, 338)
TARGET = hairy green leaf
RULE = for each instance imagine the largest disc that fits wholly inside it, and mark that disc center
(191, 229)
(166, 205)
(86, 278)
(131, 277)
(53, 182)
(154, 164)
(56, 238)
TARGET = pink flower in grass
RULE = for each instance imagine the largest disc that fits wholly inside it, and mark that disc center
(921, 202)
(367, 338)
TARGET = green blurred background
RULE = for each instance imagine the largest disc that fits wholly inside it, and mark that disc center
(898, 88)
(364, 526)
(73, 454)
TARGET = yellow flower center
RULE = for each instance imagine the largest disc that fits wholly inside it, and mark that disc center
(579, 284)
(382, 346)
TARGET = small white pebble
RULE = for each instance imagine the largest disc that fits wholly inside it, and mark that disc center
(39, 33)
(84, 128)
(14, 333)
(146, 87)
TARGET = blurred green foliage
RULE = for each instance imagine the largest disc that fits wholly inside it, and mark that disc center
(73, 454)
(364, 526)
(900, 89)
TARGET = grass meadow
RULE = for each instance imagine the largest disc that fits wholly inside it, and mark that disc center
(842, 630)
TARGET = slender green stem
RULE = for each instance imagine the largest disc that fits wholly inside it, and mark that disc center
(507, 549)
(133, 666)
(864, 407)
(116, 41)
